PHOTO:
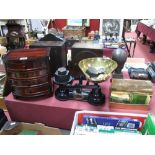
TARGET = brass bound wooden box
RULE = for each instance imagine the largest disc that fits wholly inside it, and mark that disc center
(131, 94)
(73, 31)
(28, 71)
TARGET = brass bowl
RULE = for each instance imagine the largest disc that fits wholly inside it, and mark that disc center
(102, 66)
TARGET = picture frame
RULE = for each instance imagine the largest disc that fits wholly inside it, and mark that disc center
(111, 26)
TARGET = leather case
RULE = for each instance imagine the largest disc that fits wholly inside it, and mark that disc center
(138, 73)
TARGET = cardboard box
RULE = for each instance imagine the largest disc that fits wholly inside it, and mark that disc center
(149, 125)
(78, 117)
(15, 128)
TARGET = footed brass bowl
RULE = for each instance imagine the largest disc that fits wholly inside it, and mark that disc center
(97, 69)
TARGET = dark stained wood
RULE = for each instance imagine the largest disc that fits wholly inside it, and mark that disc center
(48, 43)
(15, 35)
(28, 71)
(83, 50)
(58, 53)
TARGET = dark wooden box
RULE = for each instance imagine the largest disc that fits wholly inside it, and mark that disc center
(28, 71)
(58, 54)
(83, 50)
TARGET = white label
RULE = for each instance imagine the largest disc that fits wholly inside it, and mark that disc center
(23, 58)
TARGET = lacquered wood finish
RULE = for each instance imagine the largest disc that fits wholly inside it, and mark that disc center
(29, 73)
(58, 55)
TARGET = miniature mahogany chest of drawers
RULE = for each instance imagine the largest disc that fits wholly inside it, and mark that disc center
(28, 71)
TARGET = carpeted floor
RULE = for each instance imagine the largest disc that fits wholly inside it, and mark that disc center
(141, 51)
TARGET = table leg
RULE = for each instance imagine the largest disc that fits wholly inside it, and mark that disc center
(138, 34)
(129, 55)
(144, 39)
(134, 49)
(152, 47)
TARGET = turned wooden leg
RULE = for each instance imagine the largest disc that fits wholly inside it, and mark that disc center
(152, 47)
(138, 34)
(144, 39)
(134, 49)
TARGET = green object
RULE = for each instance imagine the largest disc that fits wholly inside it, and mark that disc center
(119, 99)
(128, 131)
(149, 125)
(139, 98)
(117, 96)
(106, 131)
(28, 132)
(130, 97)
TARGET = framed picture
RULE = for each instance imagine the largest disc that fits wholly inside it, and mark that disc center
(110, 26)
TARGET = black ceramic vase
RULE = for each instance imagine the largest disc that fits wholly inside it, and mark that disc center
(120, 56)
